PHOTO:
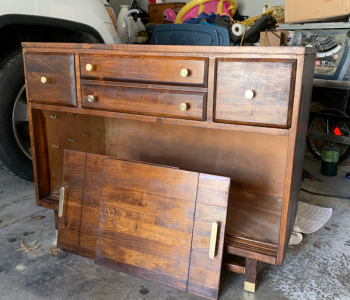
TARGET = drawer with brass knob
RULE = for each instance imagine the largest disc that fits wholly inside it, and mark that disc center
(144, 101)
(259, 92)
(169, 70)
(51, 78)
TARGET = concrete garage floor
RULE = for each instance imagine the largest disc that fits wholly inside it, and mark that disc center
(318, 268)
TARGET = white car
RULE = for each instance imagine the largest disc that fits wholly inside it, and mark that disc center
(68, 21)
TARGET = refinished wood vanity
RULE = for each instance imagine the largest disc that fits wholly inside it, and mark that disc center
(237, 112)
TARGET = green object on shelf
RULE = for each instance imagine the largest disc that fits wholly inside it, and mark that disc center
(330, 159)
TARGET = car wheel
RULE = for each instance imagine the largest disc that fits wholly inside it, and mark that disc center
(15, 149)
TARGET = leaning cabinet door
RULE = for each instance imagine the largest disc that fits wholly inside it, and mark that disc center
(158, 223)
(255, 91)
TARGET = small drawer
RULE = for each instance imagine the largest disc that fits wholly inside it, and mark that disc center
(144, 101)
(255, 91)
(174, 70)
(51, 78)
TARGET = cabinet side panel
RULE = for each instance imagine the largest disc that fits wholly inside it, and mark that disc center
(296, 150)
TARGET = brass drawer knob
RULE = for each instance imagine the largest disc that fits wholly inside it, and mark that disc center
(249, 94)
(91, 98)
(43, 79)
(88, 67)
(183, 106)
(184, 72)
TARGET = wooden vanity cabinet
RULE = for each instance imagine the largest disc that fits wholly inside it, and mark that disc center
(237, 112)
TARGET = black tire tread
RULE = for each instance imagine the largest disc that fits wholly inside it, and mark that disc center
(8, 65)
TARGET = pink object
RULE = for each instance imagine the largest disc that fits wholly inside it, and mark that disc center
(209, 7)
(169, 15)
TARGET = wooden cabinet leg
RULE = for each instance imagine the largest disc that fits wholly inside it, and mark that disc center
(56, 221)
(251, 268)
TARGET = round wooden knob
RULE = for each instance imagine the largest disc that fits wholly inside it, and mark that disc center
(249, 94)
(91, 98)
(88, 67)
(43, 79)
(183, 106)
(184, 72)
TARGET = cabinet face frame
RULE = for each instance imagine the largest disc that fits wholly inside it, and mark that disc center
(296, 134)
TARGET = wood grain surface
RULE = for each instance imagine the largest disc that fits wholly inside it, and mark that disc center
(156, 11)
(254, 216)
(194, 50)
(142, 69)
(272, 82)
(149, 221)
(163, 103)
(211, 207)
(261, 152)
(73, 179)
(58, 69)
(152, 210)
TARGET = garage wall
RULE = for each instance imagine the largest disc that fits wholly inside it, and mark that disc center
(253, 8)
(249, 8)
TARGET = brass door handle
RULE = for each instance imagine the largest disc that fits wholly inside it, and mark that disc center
(44, 80)
(62, 204)
(88, 67)
(184, 72)
(213, 236)
(91, 98)
(183, 106)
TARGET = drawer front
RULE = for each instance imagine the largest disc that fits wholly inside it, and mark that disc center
(163, 103)
(146, 69)
(51, 79)
(255, 91)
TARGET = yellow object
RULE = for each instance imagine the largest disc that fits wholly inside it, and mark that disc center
(276, 12)
(200, 3)
(250, 287)
(213, 238)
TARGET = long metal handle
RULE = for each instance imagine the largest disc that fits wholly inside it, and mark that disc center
(62, 204)
(213, 236)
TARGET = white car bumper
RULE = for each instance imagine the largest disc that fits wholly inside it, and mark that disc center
(109, 34)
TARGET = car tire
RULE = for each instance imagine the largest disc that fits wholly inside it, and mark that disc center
(13, 160)
(343, 154)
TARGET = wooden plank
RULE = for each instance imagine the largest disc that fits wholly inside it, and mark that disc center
(154, 119)
(174, 49)
(204, 273)
(91, 201)
(234, 267)
(142, 203)
(296, 149)
(254, 216)
(73, 179)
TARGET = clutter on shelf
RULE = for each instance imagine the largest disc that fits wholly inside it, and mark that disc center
(204, 23)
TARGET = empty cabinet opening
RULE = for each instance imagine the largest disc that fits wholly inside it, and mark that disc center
(254, 162)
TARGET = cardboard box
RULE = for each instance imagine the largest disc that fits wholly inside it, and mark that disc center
(315, 10)
(273, 38)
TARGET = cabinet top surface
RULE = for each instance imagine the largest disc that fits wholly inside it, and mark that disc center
(179, 49)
